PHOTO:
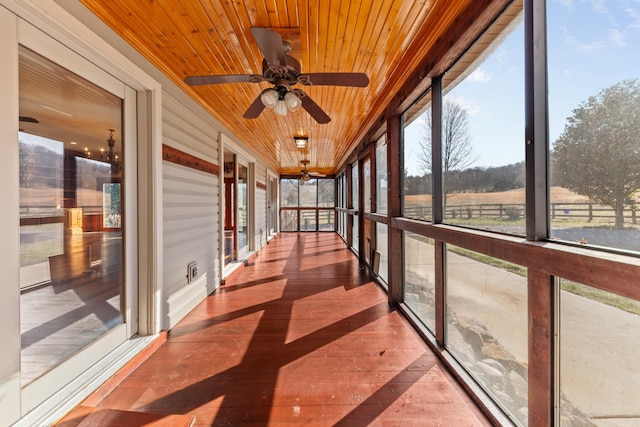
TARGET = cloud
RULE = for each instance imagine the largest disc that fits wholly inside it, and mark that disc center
(480, 76)
(421, 119)
(584, 47)
(599, 6)
(470, 105)
(616, 37)
(634, 16)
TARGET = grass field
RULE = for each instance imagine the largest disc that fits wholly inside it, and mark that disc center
(558, 195)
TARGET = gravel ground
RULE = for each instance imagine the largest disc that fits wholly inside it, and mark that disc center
(627, 239)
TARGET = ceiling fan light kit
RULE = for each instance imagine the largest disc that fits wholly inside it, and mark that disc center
(269, 98)
(292, 101)
(280, 108)
(282, 71)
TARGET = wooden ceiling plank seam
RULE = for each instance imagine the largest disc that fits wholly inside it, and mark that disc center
(377, 34)
(411, 36)
(293, 14)
(378, 17)
(231, 30)
(231, 45)
(314, 32)
(400, 41)
(367, 46)
(340, 56)
(117, 19)
(332, 40)
(324, 147)
(162, 56)
(334, 45)
(395, 80)
(182, 22)
(262, 14)
(349, 47)
(440, 25)
(356, 23)
(208, 48)
(324, 8)
(272, 11)
(364, 57)
(283, 13)
(335, 105)
(362, 35)
(305, 29)
(250, 11)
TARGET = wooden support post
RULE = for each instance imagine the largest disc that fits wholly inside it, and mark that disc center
(394, 197)
(541, 302)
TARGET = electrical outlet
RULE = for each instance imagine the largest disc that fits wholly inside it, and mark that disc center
(192, 271)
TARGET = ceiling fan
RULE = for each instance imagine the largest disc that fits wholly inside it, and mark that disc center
(283, 72)
(306, 174)
(27, 119)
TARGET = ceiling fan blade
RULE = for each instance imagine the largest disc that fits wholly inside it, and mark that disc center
(270, 43)
(311, 107)
(334, 79)
(228, 78)
(28, 119)
(319, 175)
(254, 109)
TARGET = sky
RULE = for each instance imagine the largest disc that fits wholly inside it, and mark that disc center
(592, 45)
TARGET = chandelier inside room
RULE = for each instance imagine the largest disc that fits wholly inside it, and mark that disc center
(110, 156)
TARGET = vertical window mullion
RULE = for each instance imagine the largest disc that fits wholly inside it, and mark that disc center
(542, 379)
(436, 147)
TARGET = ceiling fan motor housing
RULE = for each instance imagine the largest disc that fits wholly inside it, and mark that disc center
(275, 73)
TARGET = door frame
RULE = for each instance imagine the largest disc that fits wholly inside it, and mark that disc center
(43, 387)
(57, 25)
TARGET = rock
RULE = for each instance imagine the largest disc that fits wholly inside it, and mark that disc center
(520, 385)
(494, 364)
(489, 372)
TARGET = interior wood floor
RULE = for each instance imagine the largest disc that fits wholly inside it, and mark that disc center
(79, 305)
(299, 336)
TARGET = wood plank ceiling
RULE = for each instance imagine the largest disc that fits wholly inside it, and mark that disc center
(386, 39)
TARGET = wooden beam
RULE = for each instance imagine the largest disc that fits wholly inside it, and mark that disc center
(181, 158)
(606, 271)
(541, 302)
(394, 197)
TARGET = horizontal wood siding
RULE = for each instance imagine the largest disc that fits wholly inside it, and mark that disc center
(190, 221)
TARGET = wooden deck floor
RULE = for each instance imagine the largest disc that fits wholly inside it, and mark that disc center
(300, 336)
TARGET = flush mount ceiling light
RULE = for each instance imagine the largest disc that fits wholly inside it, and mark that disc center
(301, 141)
(280, 100)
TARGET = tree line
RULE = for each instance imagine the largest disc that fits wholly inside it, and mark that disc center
(471, 180)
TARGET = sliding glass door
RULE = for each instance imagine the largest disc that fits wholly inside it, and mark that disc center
(72, 215)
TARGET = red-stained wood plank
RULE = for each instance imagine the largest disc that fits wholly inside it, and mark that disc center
(178, 157)
(299, 336)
